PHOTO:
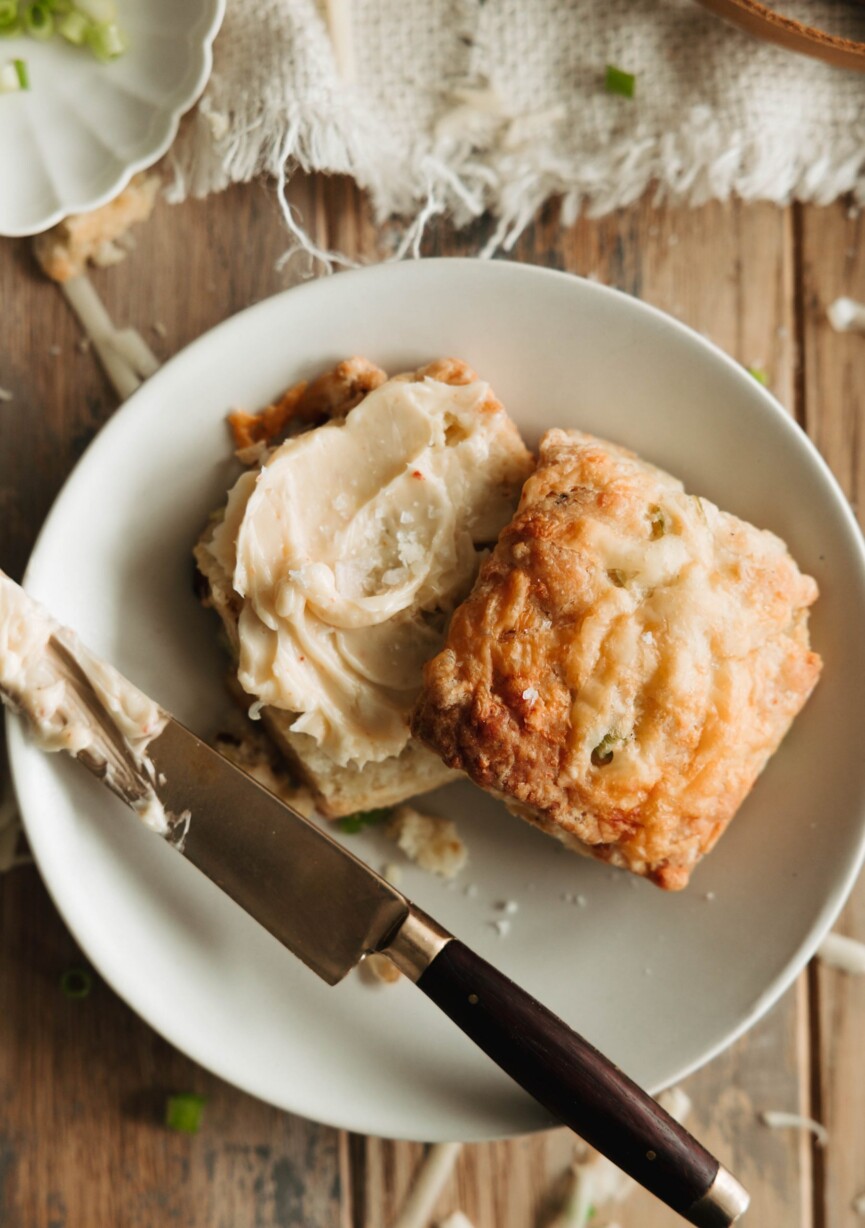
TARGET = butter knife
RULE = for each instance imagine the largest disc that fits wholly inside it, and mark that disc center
(331, 910)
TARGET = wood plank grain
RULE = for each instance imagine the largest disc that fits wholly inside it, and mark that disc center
(82, 1096)
(191, 268)
(833, 264)
(508, 1184)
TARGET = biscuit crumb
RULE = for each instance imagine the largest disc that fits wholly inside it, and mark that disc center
(66, 249)
(430, 842)
(846, 315)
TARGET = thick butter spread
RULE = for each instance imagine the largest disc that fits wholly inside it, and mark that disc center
(77, 703)
(352, 546)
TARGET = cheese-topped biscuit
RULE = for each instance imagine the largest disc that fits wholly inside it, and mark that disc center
(626, 663)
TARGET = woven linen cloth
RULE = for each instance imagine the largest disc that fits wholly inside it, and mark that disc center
(463, 106)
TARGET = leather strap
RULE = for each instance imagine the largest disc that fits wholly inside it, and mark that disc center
(763, 22)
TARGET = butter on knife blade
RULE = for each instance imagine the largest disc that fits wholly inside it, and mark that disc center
(329, 908)
(77, 703)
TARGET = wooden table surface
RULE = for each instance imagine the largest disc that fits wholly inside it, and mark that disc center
(82, 1084)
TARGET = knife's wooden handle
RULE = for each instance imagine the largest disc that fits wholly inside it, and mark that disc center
(581, 1087)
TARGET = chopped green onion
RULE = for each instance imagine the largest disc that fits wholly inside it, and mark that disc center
(603, 752)
(759, 375)
(617, 577)
(107, 41)
(76, 982)
(90, 23)
(73, 27)
(184, 1112)
(38, 22)
(9, 83)
(353, 823)
(617, 81)
(659, 520)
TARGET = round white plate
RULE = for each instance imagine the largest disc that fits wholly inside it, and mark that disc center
(82, 130)
(660, 982)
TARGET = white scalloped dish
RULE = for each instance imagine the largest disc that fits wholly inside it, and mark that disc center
(76, 137)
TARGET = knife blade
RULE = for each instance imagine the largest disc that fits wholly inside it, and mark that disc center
(330, 909)
(312, 894)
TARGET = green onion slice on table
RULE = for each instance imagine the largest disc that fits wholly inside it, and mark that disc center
(184, 1112)
(76, 983)
(617, 81)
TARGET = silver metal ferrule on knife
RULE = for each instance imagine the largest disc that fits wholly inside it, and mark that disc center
(416, 943)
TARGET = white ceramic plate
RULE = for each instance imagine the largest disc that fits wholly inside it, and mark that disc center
(660, 982)
(77, 136)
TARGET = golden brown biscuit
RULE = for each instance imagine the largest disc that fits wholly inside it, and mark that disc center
(628, 660)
